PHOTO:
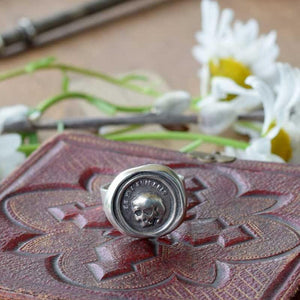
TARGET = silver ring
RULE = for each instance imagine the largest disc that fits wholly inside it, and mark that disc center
(145, 201)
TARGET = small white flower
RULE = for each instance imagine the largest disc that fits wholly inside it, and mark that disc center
(174, 102)
(12, 114)
(232, 50)
(280, 136)
(10, 158)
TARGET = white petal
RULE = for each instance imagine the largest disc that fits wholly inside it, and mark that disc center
(9, 143)
(252, 29)
(208, 100)
(260, 145)
(285, 93)
(222, 86)
(210, 16)
(199, 54)
(225, 20)
(246, 100)
(252, 132)
(292, 130)
(216, 117)
(295, 98)
(246, 32)
(268, 99)
(259, 150)
(246, 103)
(204, 75)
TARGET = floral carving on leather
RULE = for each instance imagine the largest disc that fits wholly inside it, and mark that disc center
(228, 221)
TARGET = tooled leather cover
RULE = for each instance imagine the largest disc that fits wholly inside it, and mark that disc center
(239, 239)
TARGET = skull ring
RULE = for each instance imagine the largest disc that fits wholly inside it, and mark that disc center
(145, 201)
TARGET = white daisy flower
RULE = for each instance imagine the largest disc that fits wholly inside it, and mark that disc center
(280, 135)
(232, 50)
(10, 158)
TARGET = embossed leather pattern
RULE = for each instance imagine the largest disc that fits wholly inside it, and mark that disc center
(239, 239)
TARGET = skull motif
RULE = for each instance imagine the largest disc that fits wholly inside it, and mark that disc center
(148, 209)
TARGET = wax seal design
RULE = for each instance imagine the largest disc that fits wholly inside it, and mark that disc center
(148, 209)
(146, 201)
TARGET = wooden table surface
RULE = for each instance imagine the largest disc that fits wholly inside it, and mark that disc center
(159, 40)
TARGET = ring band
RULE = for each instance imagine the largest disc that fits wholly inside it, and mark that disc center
(145, 201)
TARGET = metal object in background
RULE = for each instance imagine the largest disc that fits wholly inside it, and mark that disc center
(30, 33)
(26, 125)
(28, 30)
(145, 201)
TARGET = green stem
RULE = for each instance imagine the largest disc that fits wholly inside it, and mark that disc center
(12, 74)
(99, 103)
(83, 71)
(192, 146)
(250, 125)
(133, 109)
(121, 131)
(105, 77)
(176, 135)
(43, 106)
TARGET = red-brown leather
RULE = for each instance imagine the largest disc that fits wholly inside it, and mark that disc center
(239, 239)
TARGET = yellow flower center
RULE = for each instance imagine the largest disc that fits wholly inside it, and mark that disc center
(230, 68)
(281, 145)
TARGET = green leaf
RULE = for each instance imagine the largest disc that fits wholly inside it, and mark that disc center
(38, 64)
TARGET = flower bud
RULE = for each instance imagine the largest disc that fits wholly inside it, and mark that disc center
(12, 114)
(175, 102)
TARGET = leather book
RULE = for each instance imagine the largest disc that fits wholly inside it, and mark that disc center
(239, 239)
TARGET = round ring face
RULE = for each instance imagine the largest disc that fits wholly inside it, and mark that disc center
(146, 201)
